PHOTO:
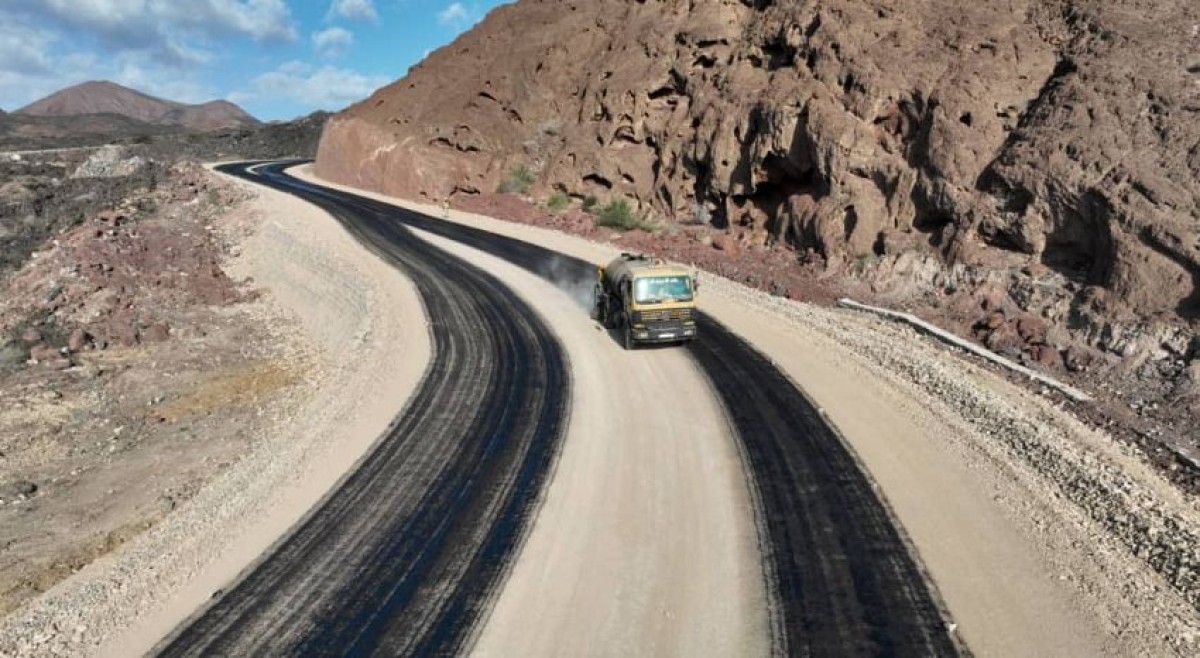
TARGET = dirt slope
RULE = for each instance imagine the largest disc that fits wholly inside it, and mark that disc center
(103, 97)
(646, 542)
(346, 327)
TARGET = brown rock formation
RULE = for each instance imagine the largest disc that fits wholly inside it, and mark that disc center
(993, 134)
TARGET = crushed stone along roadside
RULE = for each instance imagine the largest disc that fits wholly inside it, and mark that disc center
(1053, 524)
(353, 332)
(1145, 380)
(1134, 537)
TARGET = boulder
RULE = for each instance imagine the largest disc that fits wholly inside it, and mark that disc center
(1032, 329)
(1005, 340)
(43, 352)
(155, 332)
(725, 242)
(79, 340)
(1048, 356)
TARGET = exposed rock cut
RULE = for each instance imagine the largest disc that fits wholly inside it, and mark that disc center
(994, 134)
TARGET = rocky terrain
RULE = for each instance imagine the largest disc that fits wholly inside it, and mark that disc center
(1024, 174)
(131, 371)
(103, 97)
(133, 368)
(41, 196)
(45, 192)
(126, 472)
(29, 133)
(278, 139)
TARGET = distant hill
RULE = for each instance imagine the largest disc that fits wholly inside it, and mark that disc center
(20, 132)
(103, 97)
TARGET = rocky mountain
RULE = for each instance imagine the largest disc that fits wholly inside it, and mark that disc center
(1059, 136)
(110, 98)
(213, 115)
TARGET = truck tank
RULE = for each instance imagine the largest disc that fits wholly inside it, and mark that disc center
(646, 300)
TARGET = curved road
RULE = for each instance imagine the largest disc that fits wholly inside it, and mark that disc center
(403, 558)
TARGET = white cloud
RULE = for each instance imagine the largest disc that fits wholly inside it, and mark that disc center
(327, 87)
(332, 42)
(363, 10)
(295, 67)
(262, 19)
(36, 60)
(18, 89)
(164, 83)
(173, 32)
(456, 15)
(23, 48)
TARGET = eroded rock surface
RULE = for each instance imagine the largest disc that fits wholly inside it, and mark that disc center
(992, 135)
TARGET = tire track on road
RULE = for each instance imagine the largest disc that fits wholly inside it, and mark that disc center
(844, 579)
(842, 574)
(404, 555)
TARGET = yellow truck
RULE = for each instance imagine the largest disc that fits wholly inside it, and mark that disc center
(646, 300)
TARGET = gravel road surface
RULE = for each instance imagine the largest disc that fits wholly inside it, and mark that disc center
(399, 559)
(801, 480)
(983, 475)
(840, 576)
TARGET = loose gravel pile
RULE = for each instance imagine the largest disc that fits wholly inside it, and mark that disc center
(1124, 515)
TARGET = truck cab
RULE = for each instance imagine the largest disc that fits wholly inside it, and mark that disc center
(646, 300)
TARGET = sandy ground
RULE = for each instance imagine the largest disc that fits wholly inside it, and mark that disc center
(645, 543)
(367, 326)
(968, 463)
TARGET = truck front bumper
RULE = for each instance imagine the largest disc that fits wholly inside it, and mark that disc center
(667, 334)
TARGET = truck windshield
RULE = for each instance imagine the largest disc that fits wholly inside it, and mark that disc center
(658, 289)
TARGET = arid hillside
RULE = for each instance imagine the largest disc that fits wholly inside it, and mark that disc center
(108, 98)
(1058, 136)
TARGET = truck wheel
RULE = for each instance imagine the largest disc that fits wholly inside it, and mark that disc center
(627, 336)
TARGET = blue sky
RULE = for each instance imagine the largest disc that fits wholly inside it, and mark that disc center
(278, 59)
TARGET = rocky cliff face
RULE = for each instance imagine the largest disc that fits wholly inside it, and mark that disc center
(1059, 136)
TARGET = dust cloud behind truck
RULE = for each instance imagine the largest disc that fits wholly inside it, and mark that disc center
(646, 300)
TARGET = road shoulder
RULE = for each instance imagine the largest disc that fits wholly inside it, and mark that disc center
(368, 329)
(977, 471)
